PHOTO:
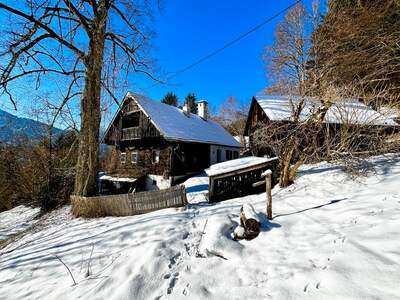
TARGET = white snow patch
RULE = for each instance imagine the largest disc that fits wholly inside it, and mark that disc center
(16, 220)
(237, 164)
(250, 212)
(266, 172)
(114, 178)
(217, 239)
(197, 189)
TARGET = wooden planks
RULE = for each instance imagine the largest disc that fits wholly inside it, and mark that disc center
(128, 204)
(241, 182)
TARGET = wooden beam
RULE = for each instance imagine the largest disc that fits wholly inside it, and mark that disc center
(248, 169)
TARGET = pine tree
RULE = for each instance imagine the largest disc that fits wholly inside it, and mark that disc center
(170, 99)
(190, 101)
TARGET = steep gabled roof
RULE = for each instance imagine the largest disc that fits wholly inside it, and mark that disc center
(175, 125)
(348, 111)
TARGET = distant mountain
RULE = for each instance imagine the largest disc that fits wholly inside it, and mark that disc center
(13, 128)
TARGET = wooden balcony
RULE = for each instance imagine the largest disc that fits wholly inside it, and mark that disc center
(131, 108)
(131, 133)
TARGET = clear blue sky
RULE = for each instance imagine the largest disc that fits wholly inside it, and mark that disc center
(188, 30)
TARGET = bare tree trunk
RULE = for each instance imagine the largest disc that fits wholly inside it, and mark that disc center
(89, 145)
(284, 176)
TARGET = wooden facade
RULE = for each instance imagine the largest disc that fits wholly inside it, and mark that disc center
(143, 150)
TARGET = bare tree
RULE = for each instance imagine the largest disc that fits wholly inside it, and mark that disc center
(296, 69)
(287, 58)
(358, 45)
(287, 64)
(89, 45)
(232, 116)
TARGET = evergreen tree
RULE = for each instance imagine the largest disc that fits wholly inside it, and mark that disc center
(190, 101)
(170, 99)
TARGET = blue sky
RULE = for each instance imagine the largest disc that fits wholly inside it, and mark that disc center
(188, 30)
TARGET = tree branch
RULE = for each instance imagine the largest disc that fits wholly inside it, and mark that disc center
(83, 20)
(53, 34)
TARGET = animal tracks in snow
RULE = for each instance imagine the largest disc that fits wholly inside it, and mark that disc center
(172, 282)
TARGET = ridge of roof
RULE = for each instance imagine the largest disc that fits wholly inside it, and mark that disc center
(345, 110)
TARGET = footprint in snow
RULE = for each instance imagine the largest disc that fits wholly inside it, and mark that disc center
(305, 288)
(185, 235)
(173, 260)
(186, 290)
(172, 283)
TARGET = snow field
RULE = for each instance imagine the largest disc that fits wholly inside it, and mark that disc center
(331, 238)
(16, 220)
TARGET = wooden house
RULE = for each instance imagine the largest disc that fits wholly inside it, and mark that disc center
(265, 109)
(159, 145)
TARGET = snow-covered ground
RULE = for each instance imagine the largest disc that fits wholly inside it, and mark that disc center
(331, 238)
(16, 220)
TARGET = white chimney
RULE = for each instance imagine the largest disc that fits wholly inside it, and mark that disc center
(185, 110)
(202, 109)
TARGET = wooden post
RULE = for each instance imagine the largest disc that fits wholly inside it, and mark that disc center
(267, 175)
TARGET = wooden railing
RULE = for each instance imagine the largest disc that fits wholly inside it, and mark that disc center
(240, 182)
(128, 204)
(131, 133)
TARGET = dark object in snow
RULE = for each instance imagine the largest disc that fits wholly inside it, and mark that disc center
(250, 223)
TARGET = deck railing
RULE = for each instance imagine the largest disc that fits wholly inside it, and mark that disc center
(131, 133)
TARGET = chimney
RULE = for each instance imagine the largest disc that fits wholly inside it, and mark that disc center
(185, 110)
(202, 109)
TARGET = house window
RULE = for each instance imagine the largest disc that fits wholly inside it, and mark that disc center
(235, 154)
(155, 156)
(228, 154)
(134, 157)
(218, 155)
(123, 158)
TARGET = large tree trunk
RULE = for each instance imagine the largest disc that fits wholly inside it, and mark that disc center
(89, 145)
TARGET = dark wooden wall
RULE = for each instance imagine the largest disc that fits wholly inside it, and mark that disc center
(190, 158)
(145, 163)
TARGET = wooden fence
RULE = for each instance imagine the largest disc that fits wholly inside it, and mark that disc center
(240, 182)
(128, 204)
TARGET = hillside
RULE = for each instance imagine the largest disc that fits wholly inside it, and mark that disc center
(331, 237)
(13, 128)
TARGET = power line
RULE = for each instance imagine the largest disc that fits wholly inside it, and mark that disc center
(228, 44)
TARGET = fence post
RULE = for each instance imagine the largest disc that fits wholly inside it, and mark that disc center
(268, 185)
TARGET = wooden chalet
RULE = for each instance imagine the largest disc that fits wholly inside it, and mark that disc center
(159, 145)
(265, 109)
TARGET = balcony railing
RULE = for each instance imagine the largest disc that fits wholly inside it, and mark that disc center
(131, 133)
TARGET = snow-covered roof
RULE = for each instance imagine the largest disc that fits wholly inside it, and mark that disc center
(120, 179)
(349, 111)
(237, 164)
(175, 125)
(244, 139)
